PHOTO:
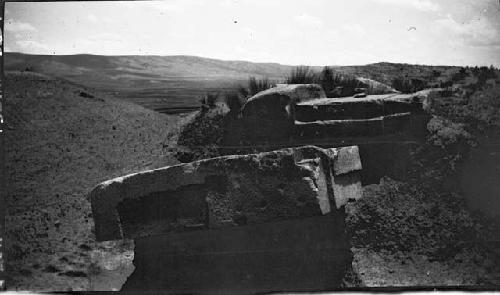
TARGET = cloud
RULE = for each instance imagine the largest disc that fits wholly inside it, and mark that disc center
(308, 20)
(422, 5)
(30, 46)
(92, 18)
(15, 26)
(162, 6)
(354, 29)
(479, 33)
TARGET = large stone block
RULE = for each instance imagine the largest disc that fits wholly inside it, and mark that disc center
(348, 109)
(269, 115)
(391, 124)
(227, 191)
(296, 92)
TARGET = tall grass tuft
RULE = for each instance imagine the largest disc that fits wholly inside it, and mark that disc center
(254, 86)
(301, 75)
(257, 85)
(235, 102)
(209, 100)
(336, 84)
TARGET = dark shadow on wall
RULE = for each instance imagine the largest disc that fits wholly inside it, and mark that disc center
(308, 254)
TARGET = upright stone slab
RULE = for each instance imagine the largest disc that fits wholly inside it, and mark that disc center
(227, 191)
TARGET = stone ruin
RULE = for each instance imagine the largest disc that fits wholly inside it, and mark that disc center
(235, 224)
(283, 114)
(270, 221)
(386, 128)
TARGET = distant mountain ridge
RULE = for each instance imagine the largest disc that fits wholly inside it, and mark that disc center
(179, 80)
(174, 66)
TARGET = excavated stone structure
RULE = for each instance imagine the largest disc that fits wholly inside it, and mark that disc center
(227, 191)
(375, 115)
(387, 127)
(269, 115)
(294, 113)
(235, 224)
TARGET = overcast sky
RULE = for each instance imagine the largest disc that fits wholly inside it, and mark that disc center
(311, 32)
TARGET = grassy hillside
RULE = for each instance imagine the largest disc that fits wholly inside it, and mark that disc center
(60, 142)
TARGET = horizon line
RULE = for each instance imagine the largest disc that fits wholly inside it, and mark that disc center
(239, 60)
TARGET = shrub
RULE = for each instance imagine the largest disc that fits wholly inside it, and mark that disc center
(460, 75)
(336, 84)
(436, 73)
(444, 132)
(301, 75)
(257, 85)
(234, 102)
(254, 86)
(209, 100)
(328, 79)
(485, 73)
(349, 84)
(407, 85)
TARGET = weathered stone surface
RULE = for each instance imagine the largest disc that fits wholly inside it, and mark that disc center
(355, 108)
(269, 115)
(352, 128)
(225, 191)
(376, 87)
(297, 92)
(347, 160)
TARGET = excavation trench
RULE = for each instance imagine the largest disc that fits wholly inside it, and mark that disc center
(301, 255)
(271, 221)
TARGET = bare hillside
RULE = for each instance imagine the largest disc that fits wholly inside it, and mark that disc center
(62, 140)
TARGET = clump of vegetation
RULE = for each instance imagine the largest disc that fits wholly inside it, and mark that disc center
(444, 132)
(328, 79)
(234, 102)
(301, 75)
(477, 108)
(334, 84)
(254, 86)
(484, 73)
(460, 75)
(407, 85)
(257, 85)
(208, 100)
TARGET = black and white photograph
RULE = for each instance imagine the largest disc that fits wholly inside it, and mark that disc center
(250, 146)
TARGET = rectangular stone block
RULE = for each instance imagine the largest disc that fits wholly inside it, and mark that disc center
(223, 192)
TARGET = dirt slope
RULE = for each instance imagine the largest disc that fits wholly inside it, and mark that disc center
(60, 143)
